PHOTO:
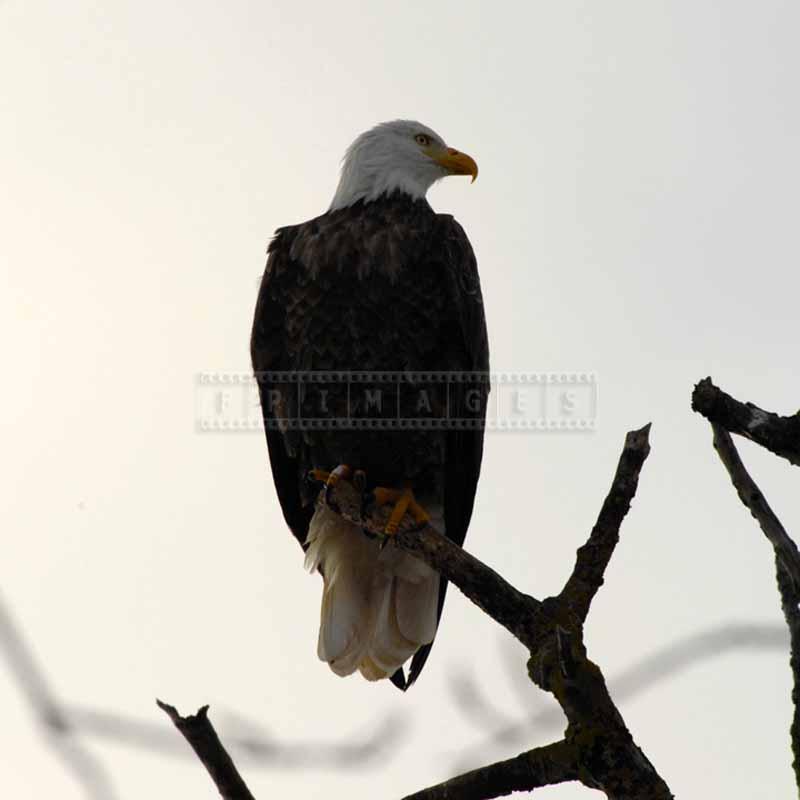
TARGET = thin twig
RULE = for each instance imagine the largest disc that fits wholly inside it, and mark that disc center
(780, 435)
(786, 565)
(593, 557)
(753, 499)
(200, 734)
(790, 602)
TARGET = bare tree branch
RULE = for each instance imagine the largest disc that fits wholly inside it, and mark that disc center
(597, 741)
(201, 736)
(786, 565)
(790, 603)
(542, 766)
(593, 557)
(514, 610)
(780, 435)
(751, 496)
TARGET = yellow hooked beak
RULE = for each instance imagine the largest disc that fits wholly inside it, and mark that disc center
(455, 163)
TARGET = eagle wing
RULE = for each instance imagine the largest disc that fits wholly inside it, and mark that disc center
(269, 354)
(470, 353)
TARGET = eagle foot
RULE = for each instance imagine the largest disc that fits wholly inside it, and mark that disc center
(330, 479)
(318, 475)
(404, 502)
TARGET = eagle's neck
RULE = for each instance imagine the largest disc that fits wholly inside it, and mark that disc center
(368, 187)
(372, 169)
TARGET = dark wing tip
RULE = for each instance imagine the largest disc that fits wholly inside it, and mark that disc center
(399, 679)
(420, 657)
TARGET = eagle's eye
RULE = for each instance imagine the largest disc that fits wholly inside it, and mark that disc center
(422, 140)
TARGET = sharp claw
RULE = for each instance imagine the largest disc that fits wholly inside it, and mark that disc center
(398, 512)
(342, 471)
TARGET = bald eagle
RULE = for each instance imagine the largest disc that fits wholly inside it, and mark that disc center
(377, 298)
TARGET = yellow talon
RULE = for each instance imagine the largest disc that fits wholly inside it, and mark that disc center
(404, 501)
(342, 471)
(398, 512)
(330, 478)
(420, 515)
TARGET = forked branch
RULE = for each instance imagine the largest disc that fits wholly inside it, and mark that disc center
(597, 748)
(787, 566)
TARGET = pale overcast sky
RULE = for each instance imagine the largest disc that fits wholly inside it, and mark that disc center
(635, 217)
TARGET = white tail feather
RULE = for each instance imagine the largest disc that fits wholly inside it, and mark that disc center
(378, 606)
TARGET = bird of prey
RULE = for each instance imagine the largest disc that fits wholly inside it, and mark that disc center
(368, 319)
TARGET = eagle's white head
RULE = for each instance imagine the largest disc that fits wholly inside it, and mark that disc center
(399, 156)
